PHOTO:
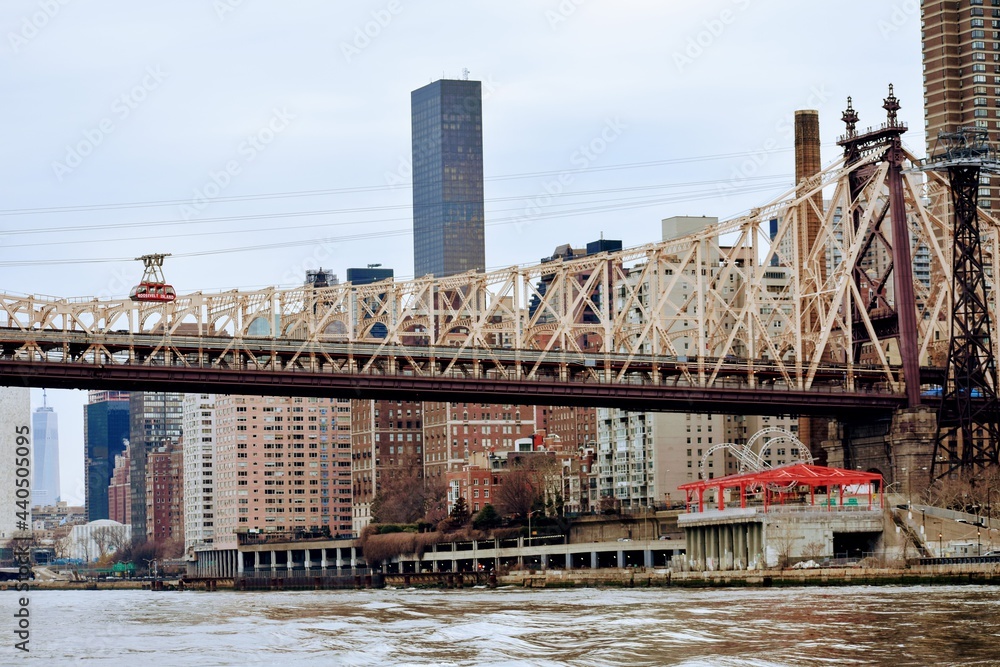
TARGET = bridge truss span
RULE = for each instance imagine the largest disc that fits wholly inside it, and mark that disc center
(751, 306)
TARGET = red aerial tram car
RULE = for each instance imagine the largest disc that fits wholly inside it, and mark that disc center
(153, 288)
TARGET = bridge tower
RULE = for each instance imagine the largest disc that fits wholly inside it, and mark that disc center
(892, 306)
(968, 434)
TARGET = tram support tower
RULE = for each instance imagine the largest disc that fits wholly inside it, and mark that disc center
(968, 433)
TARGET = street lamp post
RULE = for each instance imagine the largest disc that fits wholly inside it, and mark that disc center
(530, 513)
(989, 517)
(979, 530)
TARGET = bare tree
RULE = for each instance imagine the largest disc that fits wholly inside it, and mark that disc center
(172, 548)
(64, 547)
(531, 482)
(401, 497)
(974, 495)
(144, 553)
(102, 540)
(118, 538)
(82, 548)
(516, 493)
(436, 503)
(781, 539)
(814, 550)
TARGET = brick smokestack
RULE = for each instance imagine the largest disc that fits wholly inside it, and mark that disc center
(807, 158)
(808, 163)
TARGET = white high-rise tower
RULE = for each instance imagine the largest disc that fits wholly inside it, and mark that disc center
(45, 468)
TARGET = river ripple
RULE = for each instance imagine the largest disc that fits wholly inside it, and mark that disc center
(905, 625)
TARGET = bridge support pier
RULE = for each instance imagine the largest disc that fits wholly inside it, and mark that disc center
(911, 439)
(900, 448)
(834, 445)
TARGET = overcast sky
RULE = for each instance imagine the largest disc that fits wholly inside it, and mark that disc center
(250, 123)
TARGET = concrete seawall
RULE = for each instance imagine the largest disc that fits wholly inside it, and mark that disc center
(124, 585)
(652, 577)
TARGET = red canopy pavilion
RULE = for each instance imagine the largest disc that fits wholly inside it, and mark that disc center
(777, 486)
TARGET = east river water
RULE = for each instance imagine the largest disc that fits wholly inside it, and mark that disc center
(889, 625)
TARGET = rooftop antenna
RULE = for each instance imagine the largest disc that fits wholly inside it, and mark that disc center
(465, 74)
(45, 399)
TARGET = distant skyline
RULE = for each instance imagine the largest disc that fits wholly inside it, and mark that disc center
(598, 117)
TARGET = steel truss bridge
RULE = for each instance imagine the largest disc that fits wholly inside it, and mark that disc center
(767, 313)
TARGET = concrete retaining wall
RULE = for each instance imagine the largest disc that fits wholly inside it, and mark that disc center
(642, 577)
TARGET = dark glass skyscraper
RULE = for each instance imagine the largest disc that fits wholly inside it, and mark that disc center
(448, 217)
(105, 430)
(369, 275)
(156, 420)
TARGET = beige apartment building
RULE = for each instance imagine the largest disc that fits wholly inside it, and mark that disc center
(281, 464)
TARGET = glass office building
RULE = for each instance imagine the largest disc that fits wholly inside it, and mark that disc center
(156, 420)
(105, 430)
(367, 276)
(448, 217)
